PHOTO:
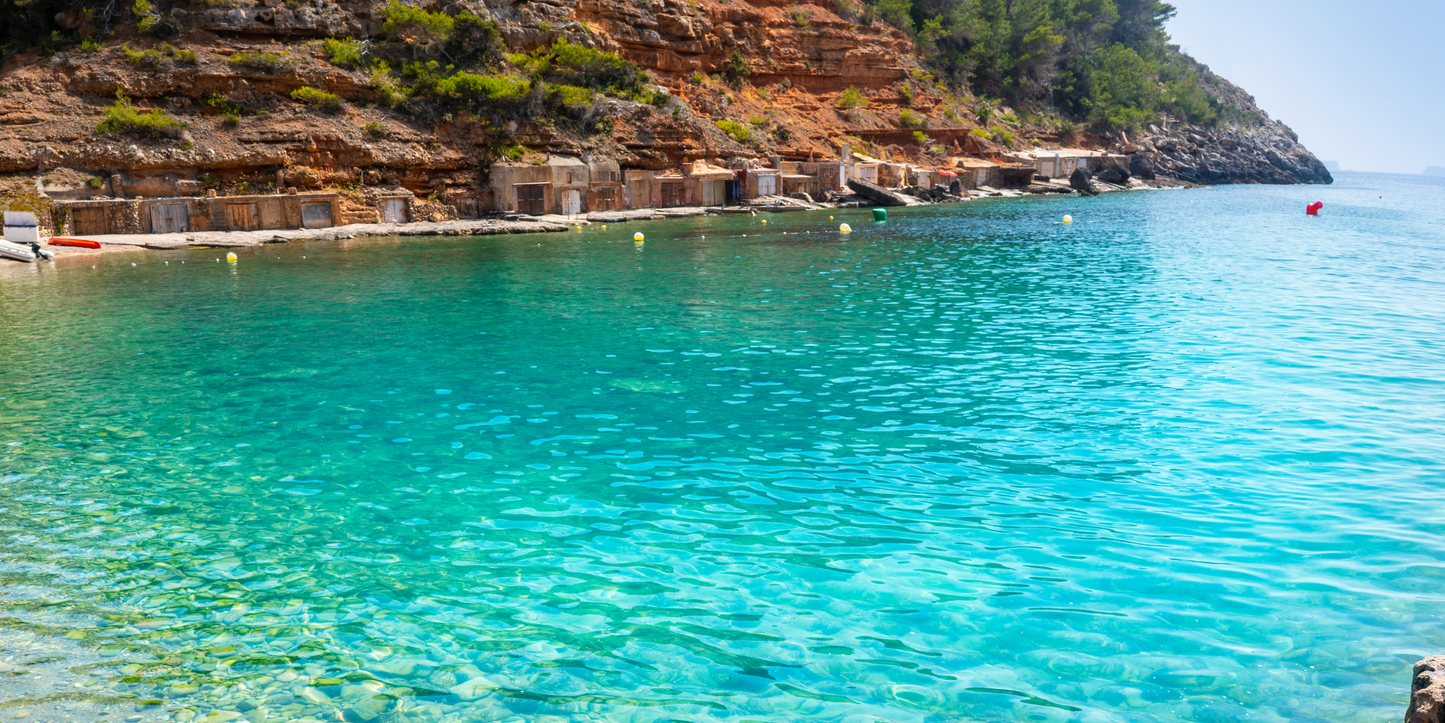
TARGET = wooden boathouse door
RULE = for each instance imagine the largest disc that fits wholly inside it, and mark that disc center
(393, 210)
(316, 214)
(169, 218)
(571, 202)
(532, 198)
(87, 221)
(242, 216)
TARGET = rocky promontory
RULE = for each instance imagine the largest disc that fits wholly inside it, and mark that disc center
(1262, 150)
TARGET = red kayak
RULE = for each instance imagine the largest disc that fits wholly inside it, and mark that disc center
(78, 242)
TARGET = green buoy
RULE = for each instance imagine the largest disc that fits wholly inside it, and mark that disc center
(880, 214)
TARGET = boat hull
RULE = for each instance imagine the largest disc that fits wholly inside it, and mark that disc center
(76, 242)
(12, 251)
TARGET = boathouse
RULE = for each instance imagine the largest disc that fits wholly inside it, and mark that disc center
(711, 184)
(641, 188)
(209, 213)
(522, 188)
(605, 189)
(570, 185)
(759, 182)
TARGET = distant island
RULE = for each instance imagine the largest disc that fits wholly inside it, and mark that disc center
(1332, 166)
(1435, 171)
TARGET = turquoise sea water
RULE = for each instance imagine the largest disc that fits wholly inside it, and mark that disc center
(1179, 461)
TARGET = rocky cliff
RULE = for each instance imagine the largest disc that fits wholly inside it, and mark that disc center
(1257, 149)
(792, 79)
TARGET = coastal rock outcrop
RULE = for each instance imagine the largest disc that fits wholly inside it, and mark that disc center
(1427, 692)
(1254, 148)
(876, 193)
(1268, 153)
(1082, 180)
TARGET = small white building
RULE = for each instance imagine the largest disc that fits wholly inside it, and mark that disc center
(864, 168)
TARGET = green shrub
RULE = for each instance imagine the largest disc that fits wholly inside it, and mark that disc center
(475, 41)
(911, 119)
(512, 151)
(469, 86)
(699, 79)
(905, 95)
(231, 118)
(528, 65)
(758, 121)
(329, 102)
(261, 60)
(159, 57)
(737, 69)
(221, 102)
(466, 40)
(89, 46)
(493, 94)
(738, 131)
(569, 95)
(344, 52)
(981, 133)
(96, 183)
(1004, 137)
(921, 138)
(147, 19)
(374, 129)
(588, 68)
(851, 98)
(404, 22)
(801, 18)
(846, 9)
(388, 92)
(123, 118)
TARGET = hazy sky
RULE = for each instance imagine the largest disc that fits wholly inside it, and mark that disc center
(1360, 82)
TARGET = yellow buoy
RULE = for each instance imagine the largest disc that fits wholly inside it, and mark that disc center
(637, 237)
(231, 257)
(579, 228)
(845, 228)
(765, 222)
(1068, 219)
(604, 227)
(830, 218)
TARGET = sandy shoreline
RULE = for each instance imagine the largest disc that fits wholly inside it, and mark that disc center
(131, 243)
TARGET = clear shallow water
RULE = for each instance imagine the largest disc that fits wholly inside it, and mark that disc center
(1178, 461)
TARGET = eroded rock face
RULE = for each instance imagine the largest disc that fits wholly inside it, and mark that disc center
(1427, 692)
(1258, 150)
(799, 56)
(1269, 153)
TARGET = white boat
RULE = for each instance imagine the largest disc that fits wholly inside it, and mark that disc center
(15, 251)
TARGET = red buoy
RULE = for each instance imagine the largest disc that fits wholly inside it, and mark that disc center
(1314, 208)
